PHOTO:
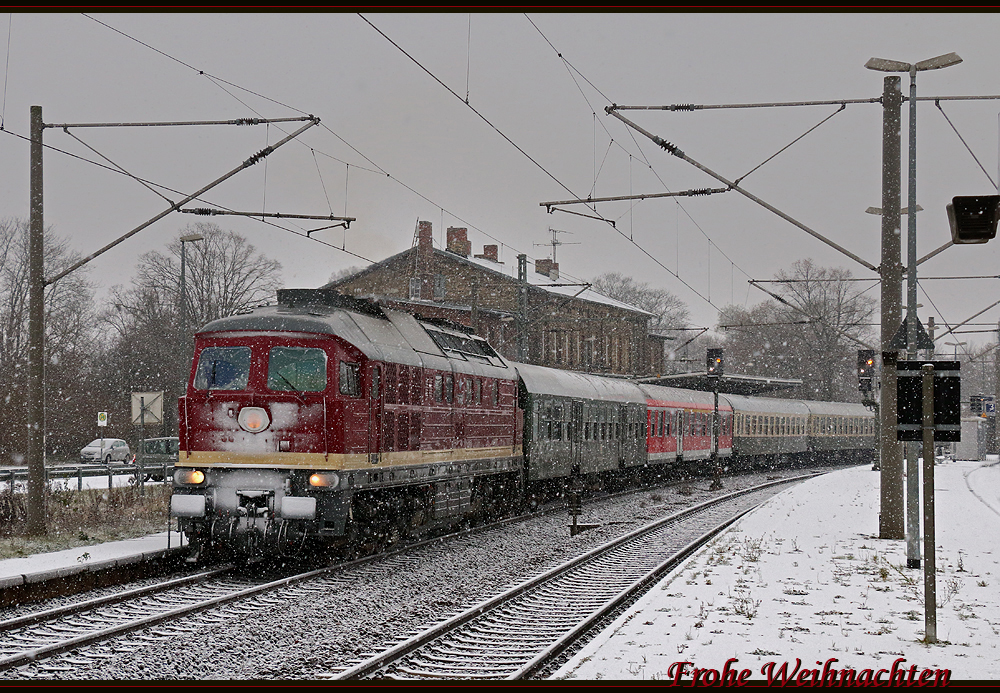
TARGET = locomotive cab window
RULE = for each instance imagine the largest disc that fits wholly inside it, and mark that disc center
(223, 368)
(349, 381)
(296, 368)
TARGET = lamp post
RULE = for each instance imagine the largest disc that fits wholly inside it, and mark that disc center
(956, 345)
(911, 319)
(883, 65)
(190, 238)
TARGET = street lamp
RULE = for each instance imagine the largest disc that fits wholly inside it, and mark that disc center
(883, 65)
(912, 469)
(956, 345)
(190, 238)
(911, 320)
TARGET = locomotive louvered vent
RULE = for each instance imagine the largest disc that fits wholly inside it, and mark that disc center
(326, 298)
(462, 344)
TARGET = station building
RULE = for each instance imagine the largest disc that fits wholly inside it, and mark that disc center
(528, 315)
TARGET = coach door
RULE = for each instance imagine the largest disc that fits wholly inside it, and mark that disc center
(679, 427)
(375, 409)
(576, 435)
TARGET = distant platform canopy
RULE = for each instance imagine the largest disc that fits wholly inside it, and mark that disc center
(728, 384)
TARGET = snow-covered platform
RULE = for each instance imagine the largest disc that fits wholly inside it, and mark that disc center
(805, 578)
(62, 565)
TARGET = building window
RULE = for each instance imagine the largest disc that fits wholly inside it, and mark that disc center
(438, 287)
(415, 288)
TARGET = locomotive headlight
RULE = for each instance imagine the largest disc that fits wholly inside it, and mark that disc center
(189, 476)
(324, 479)
(253, 419)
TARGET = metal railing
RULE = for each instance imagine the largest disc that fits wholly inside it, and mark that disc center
(11, 476)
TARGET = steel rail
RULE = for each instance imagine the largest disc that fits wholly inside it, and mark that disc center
(523, 666)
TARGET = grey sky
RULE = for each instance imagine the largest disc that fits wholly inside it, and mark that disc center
(395, 146)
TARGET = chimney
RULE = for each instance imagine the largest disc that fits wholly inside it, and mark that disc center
(554, 271)
(425, 237)
(491, 253)
(425, 240)
(458, 241)
(543, 266)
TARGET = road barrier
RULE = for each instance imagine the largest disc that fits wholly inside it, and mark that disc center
(10, 477)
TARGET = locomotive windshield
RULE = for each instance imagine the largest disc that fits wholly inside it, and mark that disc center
(223, 368)
(296, 368)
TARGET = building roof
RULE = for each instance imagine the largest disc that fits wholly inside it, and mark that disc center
(564, 288)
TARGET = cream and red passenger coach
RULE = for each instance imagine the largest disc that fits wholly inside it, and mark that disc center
(332, 419)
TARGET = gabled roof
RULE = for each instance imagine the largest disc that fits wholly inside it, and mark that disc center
(562, 288)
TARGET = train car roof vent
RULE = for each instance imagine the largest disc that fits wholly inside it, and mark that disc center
(448, 324)
(327, 298)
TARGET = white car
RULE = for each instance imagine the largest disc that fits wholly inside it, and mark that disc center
(106, 450)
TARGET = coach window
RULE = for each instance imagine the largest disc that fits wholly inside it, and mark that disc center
(223, 368)
(349, 381)
(296, 368)
(438, 388)
(449, 393)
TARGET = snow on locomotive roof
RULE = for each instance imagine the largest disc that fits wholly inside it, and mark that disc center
(380, 333)
(549, 381)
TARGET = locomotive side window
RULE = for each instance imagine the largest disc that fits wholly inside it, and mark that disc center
(223, 368)
(438, 388)
(296, 368)
(349, 381)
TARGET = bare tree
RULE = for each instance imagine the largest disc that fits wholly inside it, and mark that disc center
(669, 312)
(70, 341)
(812, 333)
(344, 273)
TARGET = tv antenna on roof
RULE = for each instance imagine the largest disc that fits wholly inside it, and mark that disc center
(555, 242)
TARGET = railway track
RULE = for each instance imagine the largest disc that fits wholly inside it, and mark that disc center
(88, 632)
(83, 626)
(518, 633)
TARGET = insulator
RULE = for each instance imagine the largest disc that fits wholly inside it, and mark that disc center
(204, 211)
(682, 107)
(247, 121)
(258, 156)
(669, 147)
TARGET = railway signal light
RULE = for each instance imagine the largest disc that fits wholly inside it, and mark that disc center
(973, 219)
(714, 365)
(866, 369)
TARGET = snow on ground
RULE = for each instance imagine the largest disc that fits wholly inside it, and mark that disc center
(806, 578)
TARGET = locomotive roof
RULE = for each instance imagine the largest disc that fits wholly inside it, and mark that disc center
(540, 380)
(379, 333)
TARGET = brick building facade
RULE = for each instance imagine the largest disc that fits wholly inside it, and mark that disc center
(526, 314)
